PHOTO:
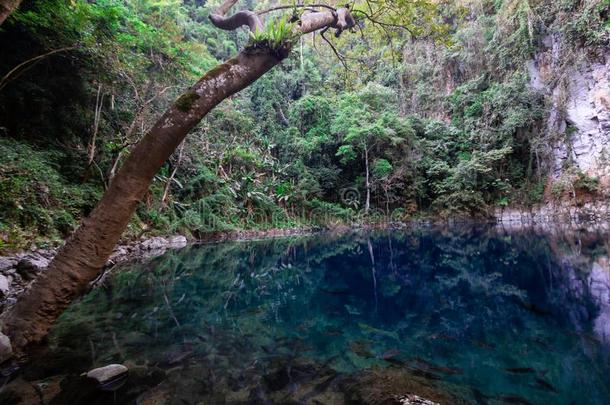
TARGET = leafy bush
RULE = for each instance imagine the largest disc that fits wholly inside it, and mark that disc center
(35, 197)
(586, 183)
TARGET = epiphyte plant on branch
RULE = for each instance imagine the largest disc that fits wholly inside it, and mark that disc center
(85, 253)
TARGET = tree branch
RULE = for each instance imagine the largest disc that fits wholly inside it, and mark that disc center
(337, 54)
(84, 254)
(305, 6)
(237, 20)
(24, 66)
(383, 24)
(245, 17)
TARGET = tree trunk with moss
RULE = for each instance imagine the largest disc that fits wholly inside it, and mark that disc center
(83, 256)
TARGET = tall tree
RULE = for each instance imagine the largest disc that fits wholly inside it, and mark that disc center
(80, 260)
(83, 256)
(364, 120)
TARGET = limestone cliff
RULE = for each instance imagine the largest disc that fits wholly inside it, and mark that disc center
(578, 121)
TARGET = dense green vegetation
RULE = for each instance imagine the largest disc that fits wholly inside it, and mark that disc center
(443, 122)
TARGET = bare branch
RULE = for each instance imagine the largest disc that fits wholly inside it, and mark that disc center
(245, 17)
(24, 66)
(344, 21)
(224, 8)
(310, 7)
(337, 54)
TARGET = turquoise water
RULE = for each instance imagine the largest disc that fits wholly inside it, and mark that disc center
(474, 314)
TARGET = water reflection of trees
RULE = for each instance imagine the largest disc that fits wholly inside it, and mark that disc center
(426, 291)
(425, 271)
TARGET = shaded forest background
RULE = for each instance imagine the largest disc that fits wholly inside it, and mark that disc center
(446, 125)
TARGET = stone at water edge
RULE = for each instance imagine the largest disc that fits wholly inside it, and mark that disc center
(7, 263)
(30, 265)
(156, 243)
(6, 350)
(5, 286)
(110, 377)
(177, 241)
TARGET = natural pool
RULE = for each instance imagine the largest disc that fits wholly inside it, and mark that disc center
(459, 315)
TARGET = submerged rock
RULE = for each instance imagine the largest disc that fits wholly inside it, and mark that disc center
(6, 350)
(415, 400)
(395, 386)
(110, 377)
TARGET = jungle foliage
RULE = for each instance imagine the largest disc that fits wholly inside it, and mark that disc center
(445, 115)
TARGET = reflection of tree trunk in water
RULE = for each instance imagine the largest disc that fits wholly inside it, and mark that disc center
(373, 272)
(169, 307)
(367, 204)
(392, 265)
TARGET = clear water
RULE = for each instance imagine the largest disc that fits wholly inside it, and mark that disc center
(479, 315)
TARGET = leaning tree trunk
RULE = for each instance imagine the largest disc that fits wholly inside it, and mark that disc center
(83, 256)
(7, 7)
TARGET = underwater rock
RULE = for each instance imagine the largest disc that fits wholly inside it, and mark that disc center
(110, 377)
(521, 370)
(426, 366)
(6, 350)
(31, 264)
(391, 385)
(295, 372)
(361, 349)
(415, 400)
(390, 354)
(176, 355)
(154, 396)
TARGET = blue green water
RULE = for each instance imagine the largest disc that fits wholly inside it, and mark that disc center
(478, 315)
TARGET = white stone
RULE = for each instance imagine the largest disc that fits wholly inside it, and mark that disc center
(5, 286)
(412, 399)
(177, 241)
(106, 373)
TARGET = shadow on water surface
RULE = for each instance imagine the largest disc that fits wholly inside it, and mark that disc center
(457, 315)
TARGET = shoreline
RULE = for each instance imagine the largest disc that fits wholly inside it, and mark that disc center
(19, 270)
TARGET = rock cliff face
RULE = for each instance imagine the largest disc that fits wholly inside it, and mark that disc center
(578, 123)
